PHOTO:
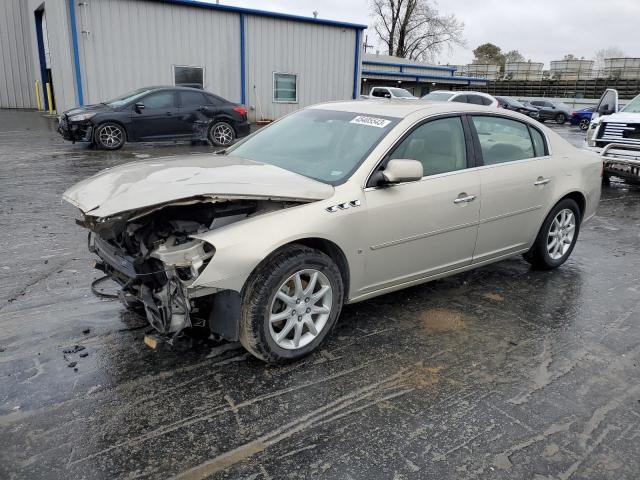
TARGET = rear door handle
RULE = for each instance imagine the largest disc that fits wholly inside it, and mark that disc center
(541, 181)
(466, 199)
(169, 114)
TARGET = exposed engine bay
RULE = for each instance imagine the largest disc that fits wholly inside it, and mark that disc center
(153, 257)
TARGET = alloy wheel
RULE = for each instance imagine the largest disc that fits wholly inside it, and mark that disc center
(300, 309)
(561, 234)
(222, 134)
(110, 136)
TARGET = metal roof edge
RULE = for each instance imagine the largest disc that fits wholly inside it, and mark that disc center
(420, 75)
(262, 13)
(407, 65)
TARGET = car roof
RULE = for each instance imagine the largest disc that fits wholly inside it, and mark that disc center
(403, 108)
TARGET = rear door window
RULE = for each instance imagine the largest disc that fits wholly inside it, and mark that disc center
(502, 139)
(486, 101)
(475, 99)
(192, 99)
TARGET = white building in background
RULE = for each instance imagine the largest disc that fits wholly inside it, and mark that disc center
(97, 49)
(417, 77)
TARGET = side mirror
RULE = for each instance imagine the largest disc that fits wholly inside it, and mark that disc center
(139, 107)
(387, 95)
(401, 170)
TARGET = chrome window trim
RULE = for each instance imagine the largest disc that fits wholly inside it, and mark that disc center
(531, 124)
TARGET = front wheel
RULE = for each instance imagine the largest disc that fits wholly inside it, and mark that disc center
(290, 304)
(221, 134)
(584, 124)
(110, 136)
(557, 236)
(561, 118)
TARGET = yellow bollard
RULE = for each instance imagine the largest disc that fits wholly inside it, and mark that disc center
(38, 98)
(50, 99)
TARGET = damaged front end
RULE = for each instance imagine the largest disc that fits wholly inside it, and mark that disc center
(152, 255)
(80, 130)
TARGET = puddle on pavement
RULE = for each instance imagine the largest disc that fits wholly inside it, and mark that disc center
(441, 320)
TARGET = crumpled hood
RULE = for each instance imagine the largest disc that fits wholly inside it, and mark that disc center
(98, 107)
(140, 185)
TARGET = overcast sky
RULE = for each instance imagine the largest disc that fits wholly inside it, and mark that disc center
(542, 30)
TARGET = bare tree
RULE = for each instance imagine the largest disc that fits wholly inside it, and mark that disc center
(609, 52)
(414, 29)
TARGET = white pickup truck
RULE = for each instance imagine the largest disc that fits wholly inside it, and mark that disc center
(615, 134)
(390, 92)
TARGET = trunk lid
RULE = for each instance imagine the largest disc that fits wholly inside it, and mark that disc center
(150, 183)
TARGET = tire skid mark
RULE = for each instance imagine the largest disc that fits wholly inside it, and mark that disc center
(331, 411)
(191, 420)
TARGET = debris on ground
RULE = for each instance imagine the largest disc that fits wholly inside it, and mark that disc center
(84, 354)
(74, 349)
(72, 364)
(86, 331)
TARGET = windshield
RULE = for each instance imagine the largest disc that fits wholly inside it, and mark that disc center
(128, 97)
(438, 96)
(400, 93)
(322, 144)
(633, 106)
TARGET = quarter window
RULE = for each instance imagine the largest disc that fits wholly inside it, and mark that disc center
(538, 142)
(503, 140)
(188, 76)
(285, 87)
(439, 145)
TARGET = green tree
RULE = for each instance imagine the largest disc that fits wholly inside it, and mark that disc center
(488, 54)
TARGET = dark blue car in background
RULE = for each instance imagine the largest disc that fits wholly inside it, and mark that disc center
(582, 117)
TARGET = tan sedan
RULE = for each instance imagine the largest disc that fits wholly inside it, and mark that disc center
(333, 204)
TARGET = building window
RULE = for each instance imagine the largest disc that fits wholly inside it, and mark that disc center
(285, 88)
(185, 76)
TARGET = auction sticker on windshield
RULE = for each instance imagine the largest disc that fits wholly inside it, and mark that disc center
(371, 121)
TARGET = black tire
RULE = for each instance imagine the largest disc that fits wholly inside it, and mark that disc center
(584, 124)
(110, 136)
(538, 256)
(220, 139)
(261, 289)
(561, 118)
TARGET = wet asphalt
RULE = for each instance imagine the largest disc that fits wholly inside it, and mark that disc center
(499, 373)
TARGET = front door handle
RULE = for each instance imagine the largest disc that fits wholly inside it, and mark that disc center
(465, 199)
(541, 181)
(169, 114)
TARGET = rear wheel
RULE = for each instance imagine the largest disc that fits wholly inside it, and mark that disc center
(110, 136)
(221, 134)
(557, 236)
(561, 118)
(290, 304)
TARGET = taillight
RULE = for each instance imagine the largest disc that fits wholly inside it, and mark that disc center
(240, 110)
(574, 114)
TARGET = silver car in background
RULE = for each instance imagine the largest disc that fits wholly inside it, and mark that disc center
(333, 204)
